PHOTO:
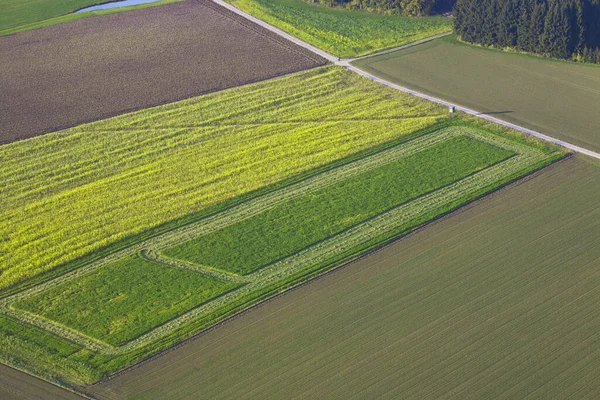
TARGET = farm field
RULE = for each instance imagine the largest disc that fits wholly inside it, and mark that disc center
(343, 33)
(106, 304)
(17, 385)
(19, 15)
(499, 299)
(138, 319)
(557, 98)
(128, 189)
(68, 74)
(111, 180)
(286, 229)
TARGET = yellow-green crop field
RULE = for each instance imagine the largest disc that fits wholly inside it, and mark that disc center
(80, 190)
(105, 226)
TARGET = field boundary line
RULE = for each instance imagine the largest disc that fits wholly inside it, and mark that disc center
(403, 47)
(346, 63)
(278, 31)
(153, 255)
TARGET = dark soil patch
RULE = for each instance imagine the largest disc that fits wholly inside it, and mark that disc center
(17, 385)
(64, 75)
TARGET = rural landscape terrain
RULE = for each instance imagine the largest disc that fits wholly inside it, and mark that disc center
(275, 199)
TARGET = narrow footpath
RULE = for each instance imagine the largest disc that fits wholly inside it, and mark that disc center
(346, 63)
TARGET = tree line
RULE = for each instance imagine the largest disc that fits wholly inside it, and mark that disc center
(566, 29)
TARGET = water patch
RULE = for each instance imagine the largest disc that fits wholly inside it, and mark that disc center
(115, 4)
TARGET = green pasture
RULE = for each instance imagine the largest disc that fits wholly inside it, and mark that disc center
(21, 15)
(343, 33)
(80, 191)
(290, 227)
(125, 299)
(497, 300)
(557, 98)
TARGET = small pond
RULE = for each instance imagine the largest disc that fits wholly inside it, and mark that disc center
(115, 4)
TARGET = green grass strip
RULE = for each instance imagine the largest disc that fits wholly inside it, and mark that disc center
(125, 299)
(277, 233)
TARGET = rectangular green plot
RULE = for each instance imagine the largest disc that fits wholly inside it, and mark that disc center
(125, 299)
(283, 230)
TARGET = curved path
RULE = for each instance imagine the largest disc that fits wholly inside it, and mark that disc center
(346, 63)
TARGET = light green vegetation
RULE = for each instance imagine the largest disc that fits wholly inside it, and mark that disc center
(108, 184)
(21, 15)
(498, 300)
(340, 32)
(125, 299)
(557, 98)
(288, 228)
(477, 161)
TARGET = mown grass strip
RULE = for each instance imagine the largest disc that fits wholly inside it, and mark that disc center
(286, 229)
(336, 172)
(362, 238)
(125, 299)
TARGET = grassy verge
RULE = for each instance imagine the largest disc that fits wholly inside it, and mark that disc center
(340, 32)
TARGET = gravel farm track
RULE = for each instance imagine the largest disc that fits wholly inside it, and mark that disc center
(68, 74)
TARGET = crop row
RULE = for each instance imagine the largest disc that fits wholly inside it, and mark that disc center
(216, 222)
(82, 190)
(353, 241)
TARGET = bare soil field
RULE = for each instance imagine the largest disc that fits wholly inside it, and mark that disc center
(496, 300)
(64, 75)
(17, 385)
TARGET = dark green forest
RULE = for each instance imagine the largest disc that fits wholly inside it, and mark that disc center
(566, 29)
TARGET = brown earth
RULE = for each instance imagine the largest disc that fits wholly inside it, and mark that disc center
(17, 385)
(64, 75)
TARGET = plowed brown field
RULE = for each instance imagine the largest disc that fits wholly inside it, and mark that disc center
(17, 385)
(64, 75)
